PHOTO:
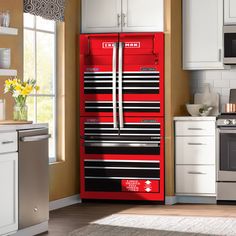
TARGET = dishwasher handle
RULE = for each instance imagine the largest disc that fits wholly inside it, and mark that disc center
(35, 138)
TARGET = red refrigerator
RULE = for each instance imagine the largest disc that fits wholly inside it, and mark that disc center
(122, 116)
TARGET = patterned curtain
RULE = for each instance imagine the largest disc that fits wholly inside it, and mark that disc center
(48, 9)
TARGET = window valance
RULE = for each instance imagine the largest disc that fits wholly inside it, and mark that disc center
(48, 9)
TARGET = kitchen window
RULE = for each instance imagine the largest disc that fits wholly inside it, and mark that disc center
(40, 64)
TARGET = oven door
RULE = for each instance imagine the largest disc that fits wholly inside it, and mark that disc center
(229, 45)
(226, 154)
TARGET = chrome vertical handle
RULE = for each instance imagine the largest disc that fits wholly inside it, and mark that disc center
(114, 85)
(120, 95)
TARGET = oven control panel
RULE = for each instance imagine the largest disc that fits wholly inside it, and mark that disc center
(226, 122)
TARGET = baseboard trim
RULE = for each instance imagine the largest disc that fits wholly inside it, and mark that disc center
(33, 230)
(196, 199)
(64, 202)
(170, 200)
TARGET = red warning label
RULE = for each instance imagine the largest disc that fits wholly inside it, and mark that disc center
(142, 186)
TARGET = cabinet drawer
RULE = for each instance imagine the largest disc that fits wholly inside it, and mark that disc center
(192, 128)
(8, 142)
(195, 150)
(195, 179)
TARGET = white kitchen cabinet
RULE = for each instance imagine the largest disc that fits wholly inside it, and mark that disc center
(103, 16)
(229, 12)
(195, 179)
(8, 193)
(195, 156)
(142, 15)
(202, 34)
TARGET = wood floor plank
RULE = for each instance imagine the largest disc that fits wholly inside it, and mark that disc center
(67, 219)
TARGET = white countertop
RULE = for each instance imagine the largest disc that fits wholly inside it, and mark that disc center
(195, 118)
(14, 127)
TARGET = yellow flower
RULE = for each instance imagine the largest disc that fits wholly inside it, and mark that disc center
(25, 92)
(18, 87)
(8, 82)
(14, 82)
(37, 88)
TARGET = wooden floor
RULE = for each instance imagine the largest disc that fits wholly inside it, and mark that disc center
(67, 219)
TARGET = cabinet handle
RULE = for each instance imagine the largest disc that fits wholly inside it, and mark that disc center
(195, 129)
(123, 19)
(118, 20)
(220, 52)
(7, 142)
(196, 173)
(35, 138)
(196, 144)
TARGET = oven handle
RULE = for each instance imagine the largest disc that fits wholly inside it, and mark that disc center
(227, 131)
(114, 85)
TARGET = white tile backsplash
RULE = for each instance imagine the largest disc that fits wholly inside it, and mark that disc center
(229, 74)
(220, 81)
(232, 83)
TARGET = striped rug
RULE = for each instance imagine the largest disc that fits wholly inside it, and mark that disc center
(154, 225)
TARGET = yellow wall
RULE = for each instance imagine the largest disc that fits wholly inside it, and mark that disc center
(64, 176)
(15, 43)
(176, 83)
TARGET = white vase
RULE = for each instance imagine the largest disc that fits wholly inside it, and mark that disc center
(5, 58)
(6, 19)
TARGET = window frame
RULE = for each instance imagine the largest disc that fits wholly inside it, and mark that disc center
(53, 95)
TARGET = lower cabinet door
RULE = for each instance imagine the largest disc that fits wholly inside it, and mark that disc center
(8, 193)
(195, 180)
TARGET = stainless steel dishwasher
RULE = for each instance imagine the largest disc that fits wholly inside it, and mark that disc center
(33, 177)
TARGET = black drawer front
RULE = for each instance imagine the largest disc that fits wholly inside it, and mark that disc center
(133, 173)
(103, 185)
(123, 150)
(121, 164)
(115, 185)
(118, 169)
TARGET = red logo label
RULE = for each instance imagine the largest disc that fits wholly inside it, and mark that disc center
(127, 45)
(143, 186)
(132, 45)
(107, 45)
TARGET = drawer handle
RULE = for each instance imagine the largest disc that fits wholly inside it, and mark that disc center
(7, 142)
(196, 144)
(195, 129)
(196, 173)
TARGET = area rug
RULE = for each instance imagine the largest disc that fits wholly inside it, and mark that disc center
(154, 225)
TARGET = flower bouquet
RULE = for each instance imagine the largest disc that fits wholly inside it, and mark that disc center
(20, 91)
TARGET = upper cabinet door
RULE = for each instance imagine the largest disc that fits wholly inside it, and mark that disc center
(101, 16)
(142, 16)
(230, 12)
(202, 34)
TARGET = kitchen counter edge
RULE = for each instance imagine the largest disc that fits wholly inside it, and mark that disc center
(14, 127)
(195, 118)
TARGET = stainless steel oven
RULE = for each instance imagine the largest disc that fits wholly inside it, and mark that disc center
(226, 160)
(230, 44)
